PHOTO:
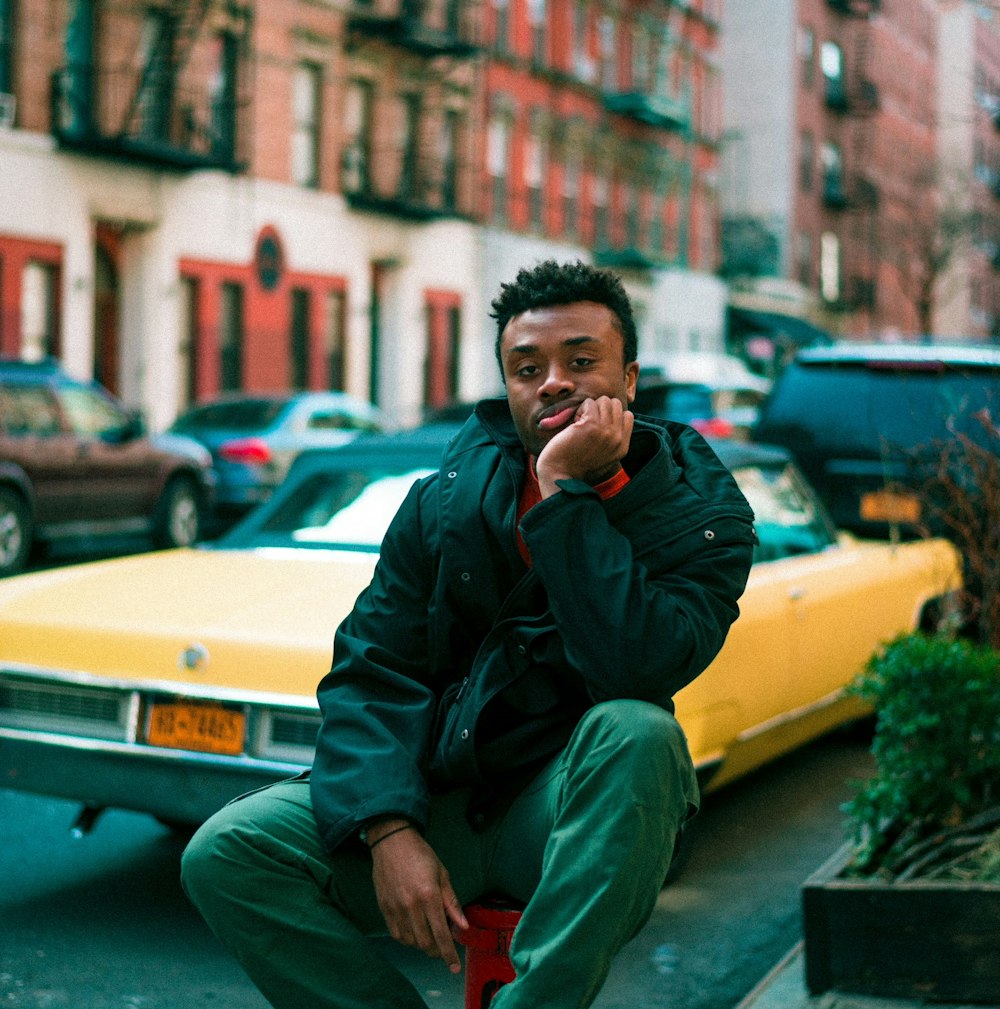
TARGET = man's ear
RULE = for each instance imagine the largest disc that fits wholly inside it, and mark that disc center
(631, 380)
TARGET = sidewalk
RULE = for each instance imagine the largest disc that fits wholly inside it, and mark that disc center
(784, 987)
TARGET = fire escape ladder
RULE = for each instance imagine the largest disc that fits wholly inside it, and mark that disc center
(170, 52)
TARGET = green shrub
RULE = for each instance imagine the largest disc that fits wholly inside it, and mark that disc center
(936, 749)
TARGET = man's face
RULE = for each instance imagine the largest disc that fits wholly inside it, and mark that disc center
(554, 358)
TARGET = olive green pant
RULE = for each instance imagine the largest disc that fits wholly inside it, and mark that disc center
(587, 845)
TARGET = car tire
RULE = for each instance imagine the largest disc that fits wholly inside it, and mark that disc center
(178, 521)
(15, 532)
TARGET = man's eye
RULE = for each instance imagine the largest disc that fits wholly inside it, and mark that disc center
(582, 362)
(526, 370)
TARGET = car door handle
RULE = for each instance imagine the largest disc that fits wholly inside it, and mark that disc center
(796, 593)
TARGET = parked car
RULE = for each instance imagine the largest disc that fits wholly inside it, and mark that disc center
(866, 423)
(178, 680)
(255, 438)
(75, 463)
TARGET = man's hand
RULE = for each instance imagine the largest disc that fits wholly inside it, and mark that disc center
(415, 896)
(591, 448)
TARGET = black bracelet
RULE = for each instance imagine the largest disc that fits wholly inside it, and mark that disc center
(389, 833)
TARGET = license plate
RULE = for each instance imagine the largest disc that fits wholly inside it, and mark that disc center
(202, 727)
(890, 506)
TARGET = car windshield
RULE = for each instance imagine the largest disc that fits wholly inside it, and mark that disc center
(338, 509)
(241, 415)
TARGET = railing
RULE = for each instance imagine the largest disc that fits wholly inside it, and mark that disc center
(427, 29)
(654, 110)
(120, 114)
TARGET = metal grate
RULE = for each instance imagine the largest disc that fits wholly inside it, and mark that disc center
(62, 708)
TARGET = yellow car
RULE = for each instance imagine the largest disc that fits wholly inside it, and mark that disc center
(170, 682)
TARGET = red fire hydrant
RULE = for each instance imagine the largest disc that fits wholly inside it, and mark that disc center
(487, 945)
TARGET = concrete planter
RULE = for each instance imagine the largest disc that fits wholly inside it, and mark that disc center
(935, 941)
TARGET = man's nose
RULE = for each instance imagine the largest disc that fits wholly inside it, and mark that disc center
(558, 382)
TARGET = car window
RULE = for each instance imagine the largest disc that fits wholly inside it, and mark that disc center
(242, 415)
(90, 414)
(866, 410)
(788, 519)
(337, 420)
(29, 410)
(345, 509)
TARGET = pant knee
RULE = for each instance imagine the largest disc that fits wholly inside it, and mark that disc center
(642, 747)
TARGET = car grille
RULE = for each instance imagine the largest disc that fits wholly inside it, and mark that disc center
(287, 735)
(120, 713)
(61, 708)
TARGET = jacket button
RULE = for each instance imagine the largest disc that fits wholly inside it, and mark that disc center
(466, 577)
(452, 475)
(465, 733)
(521, 650)
(709, 535)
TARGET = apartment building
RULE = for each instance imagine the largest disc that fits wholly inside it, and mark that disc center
(968, 290)
(199, 197)
(831, 162)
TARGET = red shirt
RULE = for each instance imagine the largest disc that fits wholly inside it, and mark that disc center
(531, 494)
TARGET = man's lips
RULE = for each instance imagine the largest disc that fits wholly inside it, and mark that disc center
(557, 417)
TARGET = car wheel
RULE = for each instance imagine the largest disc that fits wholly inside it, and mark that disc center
(178, 517)
(15, 532)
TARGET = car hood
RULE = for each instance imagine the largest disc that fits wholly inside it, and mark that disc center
(256, 620)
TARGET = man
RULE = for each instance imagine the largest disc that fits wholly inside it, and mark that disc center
(498, 716)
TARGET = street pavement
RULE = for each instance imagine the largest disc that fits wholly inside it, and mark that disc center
(784, 987)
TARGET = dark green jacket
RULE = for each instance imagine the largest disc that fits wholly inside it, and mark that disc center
(459, 666)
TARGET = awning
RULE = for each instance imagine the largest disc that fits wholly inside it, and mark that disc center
(783, 329)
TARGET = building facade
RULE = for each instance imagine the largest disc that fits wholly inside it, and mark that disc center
(199, 197)
(968, 290)
(833, 176)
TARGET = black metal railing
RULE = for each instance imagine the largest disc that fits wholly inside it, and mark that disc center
(150, 118)
(654, 110)
(425, 28)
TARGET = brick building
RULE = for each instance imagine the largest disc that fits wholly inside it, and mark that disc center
(198, 196)
(832, 168)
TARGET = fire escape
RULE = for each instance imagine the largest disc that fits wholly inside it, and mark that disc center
(649, 131)
(408, 149)
(856, 195)
(177, 100)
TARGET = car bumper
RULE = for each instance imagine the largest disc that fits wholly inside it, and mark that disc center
(177, 786)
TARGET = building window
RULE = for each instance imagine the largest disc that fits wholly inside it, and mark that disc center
(497, 160)
(156, 96)
(409, 147)
(633, 217)
(571, 193)
(306, 91)
(444, 329)
(187, 349)
(451, 131)
(335, 339)
(601, 212)
(833, 175)
(501, 13)
(7, 46)
(641, 66)
(608, 31)
(535, 168)
(807, 56)
(231, 338)
(224, 97)
(832, 63)
(358, 128)
(829, 267)
(583, 65)
(39, 316)
(807, 157)
(803, 258)
(299, 338)
(538, 14)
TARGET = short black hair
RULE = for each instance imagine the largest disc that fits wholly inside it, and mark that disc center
(554, 283)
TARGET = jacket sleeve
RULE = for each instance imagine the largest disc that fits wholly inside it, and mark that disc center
(637, 626)
(378, 708)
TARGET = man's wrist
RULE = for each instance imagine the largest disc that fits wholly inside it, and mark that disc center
(374, 830)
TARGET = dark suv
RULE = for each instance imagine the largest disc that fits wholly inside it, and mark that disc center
(866, 423)
(75, 463)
